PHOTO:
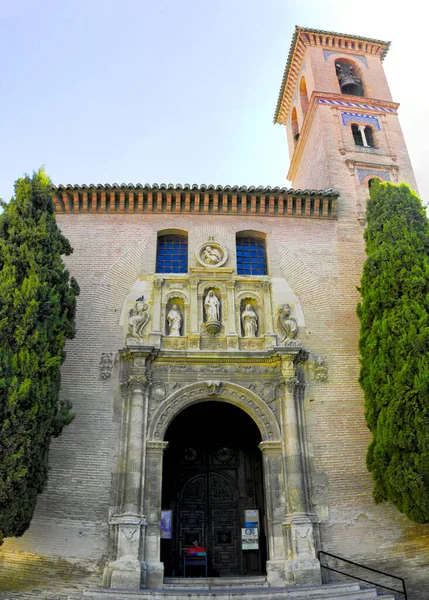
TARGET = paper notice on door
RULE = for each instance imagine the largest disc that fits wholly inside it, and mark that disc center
(249, 538)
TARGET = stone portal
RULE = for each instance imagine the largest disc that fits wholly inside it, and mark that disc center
(212, 474)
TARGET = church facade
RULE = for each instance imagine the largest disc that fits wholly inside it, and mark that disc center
(214, 374)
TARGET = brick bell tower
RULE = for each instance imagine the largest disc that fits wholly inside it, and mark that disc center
(342, 125)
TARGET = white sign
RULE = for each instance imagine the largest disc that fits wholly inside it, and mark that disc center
(249, 538)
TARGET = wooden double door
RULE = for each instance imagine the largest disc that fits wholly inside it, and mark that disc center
(209, 481)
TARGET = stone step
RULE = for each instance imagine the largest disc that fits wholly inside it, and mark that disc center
(345, 591)
(214, 582)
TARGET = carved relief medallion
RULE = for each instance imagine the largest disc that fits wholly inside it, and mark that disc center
(211, 254)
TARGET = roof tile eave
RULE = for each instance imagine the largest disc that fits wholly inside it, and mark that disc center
(197, 188)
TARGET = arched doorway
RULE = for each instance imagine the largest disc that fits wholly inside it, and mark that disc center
(212, 475)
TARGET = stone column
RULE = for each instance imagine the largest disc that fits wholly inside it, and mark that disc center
(231, 334)
(302, 566)
(125, 571)
(272, 458)
(362, 132)
(156, 333)
(154, 574)
(270, 336)
(194, 334)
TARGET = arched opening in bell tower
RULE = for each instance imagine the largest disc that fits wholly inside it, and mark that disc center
(213, 486)
(349, 77)
(303, 97)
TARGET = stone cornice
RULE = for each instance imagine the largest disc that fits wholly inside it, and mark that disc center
(203, 200)
(175, 357)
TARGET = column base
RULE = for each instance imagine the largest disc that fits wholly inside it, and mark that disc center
(154, 576)
(276, 573)
(125, 573)
(303, 572)
(302, 566)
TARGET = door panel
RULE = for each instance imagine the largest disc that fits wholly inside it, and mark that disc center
(209, 482)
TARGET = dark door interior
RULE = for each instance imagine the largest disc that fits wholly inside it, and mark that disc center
(212, 474)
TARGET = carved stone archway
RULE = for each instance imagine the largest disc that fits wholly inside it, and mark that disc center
(272, 459)
(135, 522)
(200, 391)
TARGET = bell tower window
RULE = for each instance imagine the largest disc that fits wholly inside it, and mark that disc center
(349, 78)
(357, 135)
(303, 96)
(363, 136)
(294, 124)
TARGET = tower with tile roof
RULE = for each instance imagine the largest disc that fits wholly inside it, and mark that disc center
(341, 122)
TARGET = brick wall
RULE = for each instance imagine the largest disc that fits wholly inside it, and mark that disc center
(321, 260)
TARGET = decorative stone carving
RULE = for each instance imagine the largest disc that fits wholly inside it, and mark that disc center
(136, 381)
(175, 343)
(138, 318)
(211, 254)
(214, 387)
(320, 368)
(174, 320)
(287, 325)
(291, 383)
(106, 364)
(212, 313)
(228, 391)
(249, 320)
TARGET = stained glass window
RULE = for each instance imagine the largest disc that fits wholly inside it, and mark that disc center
(251, 256)
(172, 254)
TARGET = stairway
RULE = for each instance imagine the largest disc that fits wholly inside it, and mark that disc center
(234, 588)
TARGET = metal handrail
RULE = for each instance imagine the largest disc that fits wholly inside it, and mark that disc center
(363, 567)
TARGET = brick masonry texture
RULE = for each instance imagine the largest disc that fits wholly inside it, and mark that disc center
(322, 261)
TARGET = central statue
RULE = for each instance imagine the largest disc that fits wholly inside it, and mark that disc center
(212, 307)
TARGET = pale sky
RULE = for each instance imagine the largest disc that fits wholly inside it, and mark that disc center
(178, 91)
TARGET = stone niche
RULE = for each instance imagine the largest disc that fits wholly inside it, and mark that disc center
(208, 309)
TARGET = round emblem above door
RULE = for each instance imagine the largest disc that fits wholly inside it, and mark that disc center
(212, 255)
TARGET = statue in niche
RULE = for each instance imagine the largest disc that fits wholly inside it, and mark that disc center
(212, 307)
(138, 318)
(212, 310)
(211, 256)
(287, 324)
(249, 320)
(174, 320)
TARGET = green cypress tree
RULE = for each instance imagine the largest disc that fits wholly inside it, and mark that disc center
(394, 347)
(37, 310)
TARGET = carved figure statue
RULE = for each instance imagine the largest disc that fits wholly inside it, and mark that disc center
(212, 307)
(174, 320)
(211, 256)
(287, 324)
(249, 320)
(138, 318)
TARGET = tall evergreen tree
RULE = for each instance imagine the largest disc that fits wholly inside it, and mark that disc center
(37, 310)
(394, 347)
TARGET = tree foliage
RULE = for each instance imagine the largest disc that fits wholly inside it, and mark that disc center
(37, 310)
(394, 347)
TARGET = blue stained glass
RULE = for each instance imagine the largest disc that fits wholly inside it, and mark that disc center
(172, 254)
(251, 256)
